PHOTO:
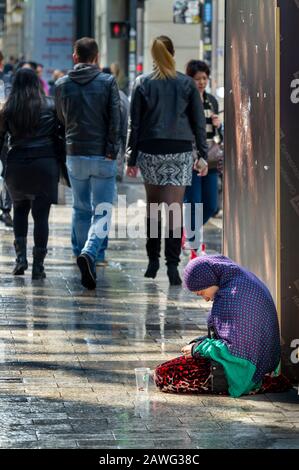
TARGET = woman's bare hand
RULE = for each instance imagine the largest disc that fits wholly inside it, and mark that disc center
(216, 121)
(132, 171)
(187, 350)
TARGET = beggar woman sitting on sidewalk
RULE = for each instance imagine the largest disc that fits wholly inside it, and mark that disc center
(241, 355)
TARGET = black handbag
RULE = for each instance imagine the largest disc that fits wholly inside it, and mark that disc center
(61, 155)
(217, 379)
(219, 383)
(64, 176)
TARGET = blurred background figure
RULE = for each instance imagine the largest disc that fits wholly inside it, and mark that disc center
(57, 74)
(10, 65)
(1, 63)
(120, 77)
(40, 71)
(124, 116)
(6, 74)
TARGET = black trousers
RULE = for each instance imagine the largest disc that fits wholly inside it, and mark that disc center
(40, 209)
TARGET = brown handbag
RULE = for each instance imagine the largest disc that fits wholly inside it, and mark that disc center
(215, 153)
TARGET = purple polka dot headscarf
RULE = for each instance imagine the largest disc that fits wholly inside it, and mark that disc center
(208, 271)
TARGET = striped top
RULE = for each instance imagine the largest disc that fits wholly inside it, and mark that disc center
(210, 105)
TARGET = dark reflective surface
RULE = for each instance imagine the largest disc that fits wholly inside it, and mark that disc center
(289, 35)
(250, 216)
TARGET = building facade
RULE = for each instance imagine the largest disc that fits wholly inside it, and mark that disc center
(2, 21)
(147, 19)
(150, 18)
(158, 19)
(111, 50)
(49, 34)
(13, 34)
(218, 40)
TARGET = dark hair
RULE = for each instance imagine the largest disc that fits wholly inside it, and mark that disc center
(1, 56)
(86, 49)
(33, 65)
(23, 106)
(195, 66)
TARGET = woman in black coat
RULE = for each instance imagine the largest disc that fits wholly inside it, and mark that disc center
(32, 170)
(166, 117)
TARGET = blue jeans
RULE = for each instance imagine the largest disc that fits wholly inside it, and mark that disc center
(203, 191)
(93, 182)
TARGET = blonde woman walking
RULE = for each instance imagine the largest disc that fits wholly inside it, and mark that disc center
(166, 117)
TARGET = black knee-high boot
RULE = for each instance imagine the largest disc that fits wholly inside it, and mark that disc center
(172, 255)
(21, 265)
(153, 248)
(38, 270)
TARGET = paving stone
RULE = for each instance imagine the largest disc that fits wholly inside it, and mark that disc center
(53, 428)
(284, 444)
(96, 444)
(139, 435)
(145, 444)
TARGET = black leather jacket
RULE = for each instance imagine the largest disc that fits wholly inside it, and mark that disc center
(43, 138)
(88, 105)
(168, 109)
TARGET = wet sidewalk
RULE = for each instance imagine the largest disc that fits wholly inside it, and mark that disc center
(67, 359)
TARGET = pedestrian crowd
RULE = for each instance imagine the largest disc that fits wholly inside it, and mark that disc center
(80, 125)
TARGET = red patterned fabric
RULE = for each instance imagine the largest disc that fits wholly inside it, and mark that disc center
(277, 384)
(184, 375)
(189, 375)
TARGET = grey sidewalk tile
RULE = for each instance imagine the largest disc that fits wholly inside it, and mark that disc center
(251, 443)
(141, 435)
(128, 444)
(75, 436)
(211, 444)
(284, 444)
(175, 444)
(57, 445)
(53, 428)
(93, 427)
(96, 444)
(19, 444)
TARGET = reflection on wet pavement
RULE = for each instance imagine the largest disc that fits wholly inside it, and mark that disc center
(67, 359)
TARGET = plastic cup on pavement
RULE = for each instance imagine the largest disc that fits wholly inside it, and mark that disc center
(142, 379)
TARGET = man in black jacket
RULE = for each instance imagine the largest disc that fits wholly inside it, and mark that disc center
(88, 106)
